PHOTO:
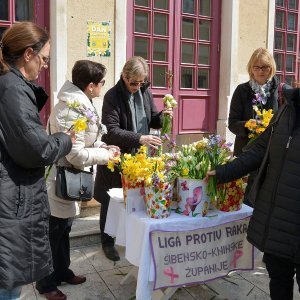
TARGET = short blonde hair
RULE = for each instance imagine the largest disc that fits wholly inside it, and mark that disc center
(264, 56)
(135, 66)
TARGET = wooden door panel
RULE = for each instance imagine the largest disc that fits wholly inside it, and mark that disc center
(193, 115)
(180, 41)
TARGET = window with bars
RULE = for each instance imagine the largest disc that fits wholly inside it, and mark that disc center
(286, 40)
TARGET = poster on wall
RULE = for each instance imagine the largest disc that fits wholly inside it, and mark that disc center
(98, 38)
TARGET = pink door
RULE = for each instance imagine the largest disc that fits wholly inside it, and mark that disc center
(12, 11)
(180, 41)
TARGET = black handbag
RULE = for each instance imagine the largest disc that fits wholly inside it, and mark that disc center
(73, 184)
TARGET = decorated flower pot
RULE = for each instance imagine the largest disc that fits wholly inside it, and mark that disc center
(230, 195)
(134, 194)
(158, 200)
(192, 197)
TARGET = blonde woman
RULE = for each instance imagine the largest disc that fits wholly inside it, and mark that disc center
(262, 83)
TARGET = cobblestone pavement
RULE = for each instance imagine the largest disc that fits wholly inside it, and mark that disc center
(103, 281)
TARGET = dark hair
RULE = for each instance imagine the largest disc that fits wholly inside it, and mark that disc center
(16, 39)
(86, 71)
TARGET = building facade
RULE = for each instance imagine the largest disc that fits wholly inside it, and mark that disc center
(197, 50)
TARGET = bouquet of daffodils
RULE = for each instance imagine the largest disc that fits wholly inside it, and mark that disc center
(132, 167)
(261, 118)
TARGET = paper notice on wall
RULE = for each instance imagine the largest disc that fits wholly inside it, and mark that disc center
(98, 38)
(197, 256)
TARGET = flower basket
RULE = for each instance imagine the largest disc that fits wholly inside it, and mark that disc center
(134, 193)
(158, 200)
(192, 197)
(230, 195)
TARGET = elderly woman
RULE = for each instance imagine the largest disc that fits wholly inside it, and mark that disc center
(128, 112)
(264, 84)
(87, 150)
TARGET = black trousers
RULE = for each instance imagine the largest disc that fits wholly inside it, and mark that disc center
(104, 198)
(59, 230)
(281, 272)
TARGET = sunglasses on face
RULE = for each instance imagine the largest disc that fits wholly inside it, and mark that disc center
(136, 83)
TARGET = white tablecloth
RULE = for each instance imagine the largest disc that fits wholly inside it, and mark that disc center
(132, 231)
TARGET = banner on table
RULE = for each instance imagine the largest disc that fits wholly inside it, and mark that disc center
(187, 257)
(98, 38)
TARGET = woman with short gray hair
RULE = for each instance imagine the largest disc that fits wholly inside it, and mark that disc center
(128, 112)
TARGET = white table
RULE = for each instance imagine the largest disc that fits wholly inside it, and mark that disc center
(132, 231)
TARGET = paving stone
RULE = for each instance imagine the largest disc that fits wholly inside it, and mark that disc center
(201, 292)
(113, 278)
(97, 258)
(181, 294)
(80, 265)
(235, 287)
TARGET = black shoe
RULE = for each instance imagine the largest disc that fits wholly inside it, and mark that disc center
(111, 252)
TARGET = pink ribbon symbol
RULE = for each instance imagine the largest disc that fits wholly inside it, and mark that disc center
(237, 255)
(170, 272)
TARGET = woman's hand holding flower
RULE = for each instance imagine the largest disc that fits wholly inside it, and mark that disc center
(168, 111)
(151, 140)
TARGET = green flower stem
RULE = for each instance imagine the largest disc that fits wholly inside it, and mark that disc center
(167, 124)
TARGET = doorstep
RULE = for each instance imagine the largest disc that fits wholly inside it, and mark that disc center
(85, 231)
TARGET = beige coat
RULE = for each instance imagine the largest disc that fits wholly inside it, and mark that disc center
(85, 151)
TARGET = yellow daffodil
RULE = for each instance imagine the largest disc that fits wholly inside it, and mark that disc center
(80, 124)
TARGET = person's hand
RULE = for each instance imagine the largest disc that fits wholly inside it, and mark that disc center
(209, 173)
(151, 140)
(115, 150)
(72, 135)
(168, 111)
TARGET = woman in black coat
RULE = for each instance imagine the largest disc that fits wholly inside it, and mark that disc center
(128, 112)
(25, 150)
(275, 225)
(261, 69)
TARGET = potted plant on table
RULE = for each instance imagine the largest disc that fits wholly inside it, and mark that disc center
(190, 165)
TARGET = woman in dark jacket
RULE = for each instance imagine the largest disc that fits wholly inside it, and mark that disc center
(261, 69)
(275, 225)
(128, 112)
(25, 150)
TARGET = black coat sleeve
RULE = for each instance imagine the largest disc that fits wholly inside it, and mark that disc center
(236, 119)
(248, 161)
(115, 119)
(22, 133)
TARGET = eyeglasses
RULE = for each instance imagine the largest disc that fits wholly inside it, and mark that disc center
(44, 59)
(102, 82)
(263, 68)
(136, 83)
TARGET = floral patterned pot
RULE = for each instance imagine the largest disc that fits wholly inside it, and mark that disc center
(134, 195)
(192, 197)
(158, 200)
(230, 195)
